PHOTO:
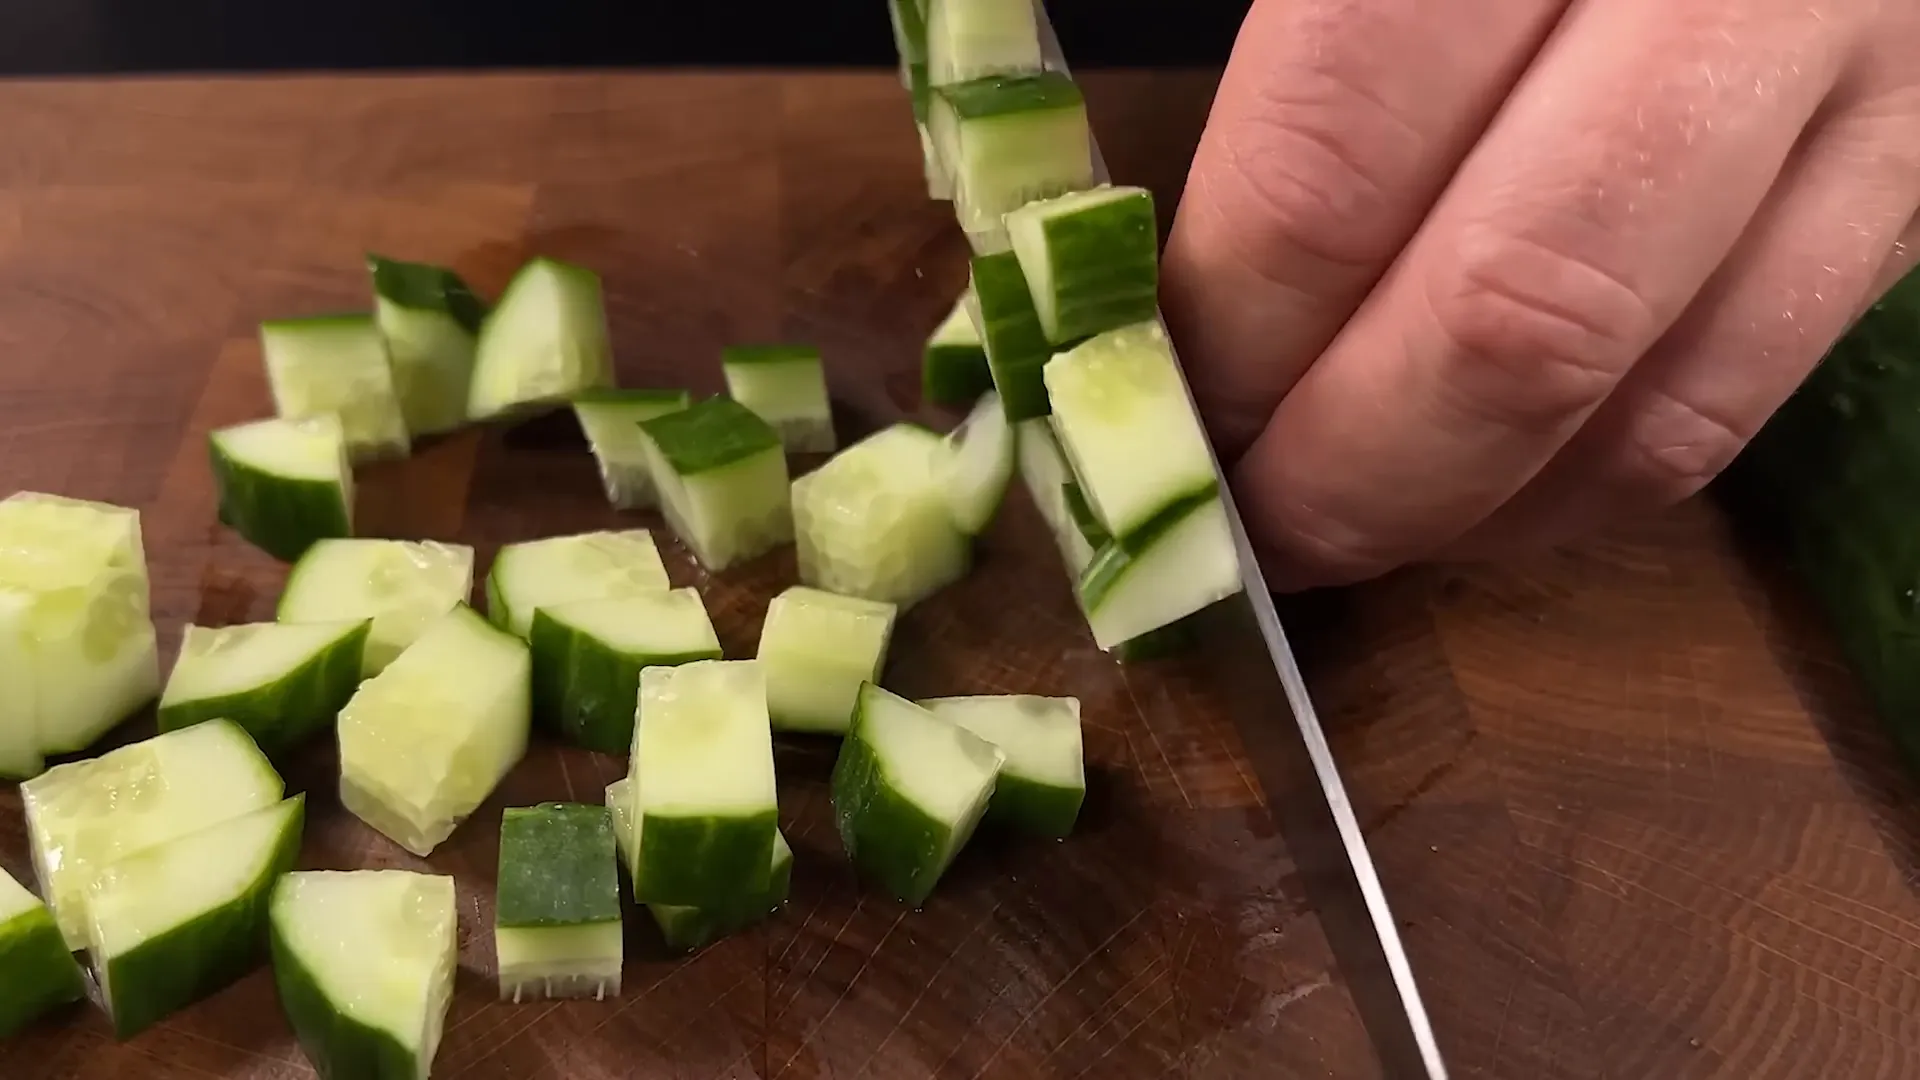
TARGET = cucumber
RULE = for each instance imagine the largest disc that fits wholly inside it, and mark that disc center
(1164, 641)
(1006, 141)
(953, 367)
(909, 29)
(531, 574)
(588, 655)
(177, 922)
(1182, 564)
(1001, 310)
(976, 464)
(786, 386)
(1044, 472)
(282, 682)
(1091, 259)
(41, 974)
(337, 365)
(1043, 779)
(816, 649)
(557, 905)
(424, 742)
(939, 187)
(544, 343)
(704, 808)
(402, 585)
(611, 420)
(873, 522)
(908, 791)
(429, 318)
(972, 39)
(723, 481)
(284, 483)
(20, 755)
(85, 816)
(685, 929)
(364, 962)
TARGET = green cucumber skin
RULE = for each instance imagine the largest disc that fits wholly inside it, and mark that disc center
(204, 956)
(558, 867)
(735, 853)
(685, 929)
(1171, 639)
(955, 374)
(1016, 347)
(1115, 559)
(328, 679)
(585, 691)
(1105, 267)
(280, 517)
(40, 974)
(1028, 806)
(498, 612)
(710, 434)
(338, 1046)
(887, 838)
(426, 287)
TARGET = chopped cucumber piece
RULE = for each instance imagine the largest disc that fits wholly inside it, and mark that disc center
(816, 649)
(1008, 140)
(282, 682)
(1002, 313)
(1043, 780)
(1091, 259)
(85, 816)
(873, 522)
(685, 929)
(429, 318)
(909, 29)
(1080, 514)
(723, 480)
(588, 655)
(1183, 563)
(953, 369)
(402, 585)
(785, 386)
(704, 808)
(976, 464)
(972, 39)
(530, 575)
(284, 483)
(556, 926)
(40, 974)
(908, 790)
(364, 963)
(424, 742)
(611, 420)
(939, 188)
(337, 365)
(1081, 520)
(544, 343)
(174, 923)
(1044, 471)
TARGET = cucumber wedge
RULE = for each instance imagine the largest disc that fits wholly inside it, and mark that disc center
(1001, 310)
(1043, 780)
(1091, 259)
(282, 682)
(364, 963)
(786, 386)
(530, 575)
(685, 929)
(873, 522)
(611, 420)
(424, 742)
(1184, 563)
(284, 483)
(908, 791)
(723, 481)
(41, 974)
(704, 808)
(180, 921)
(557, 905)
(402, 585)
(588, 655)
(953, 367)
(85, 816)
(337, 365)
(816, 649)
(429, 318)
(972, 39)
(1006, 141)
(976, 465)
(544, 343)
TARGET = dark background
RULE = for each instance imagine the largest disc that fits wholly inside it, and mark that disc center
(73, 37)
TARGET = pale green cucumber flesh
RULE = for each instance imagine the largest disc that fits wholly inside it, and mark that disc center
(953, 367)
(972, 39)
(1001, 310)
(337, 364)
(611, 421)
(939, 187)
(1044, 473)
(544, 343)
(873, 522)
(1008, 140)
(429, 317)
(816, 649)
(1043, 780)
(40, 974)
(282, 682)
(588, 655)
(687, 928)
(587, 566)
(1187, 563)
(403, 586)
(786, 386)
(554, 962)
(284, 484)
(976, 464)
(20, 755)
(722, 475)
(1089, 536)
(1091, 259)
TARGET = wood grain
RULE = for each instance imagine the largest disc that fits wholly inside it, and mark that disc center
(1634, 818)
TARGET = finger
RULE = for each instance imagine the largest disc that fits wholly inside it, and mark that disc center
(1336, 125)
(1612, 184)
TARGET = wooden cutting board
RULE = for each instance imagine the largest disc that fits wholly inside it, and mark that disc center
(1632, 815)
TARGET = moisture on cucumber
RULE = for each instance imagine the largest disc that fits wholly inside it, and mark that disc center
(976, 465)
(816, 649)
(1003, 317)
(972, 39)
(1043, 781)
(402, 585)
(611, 420)
(40, 974)
(786, 386)
(534, 573)
(557, 930)
(1091, 259)
(722, 475)
(588, 655)
(284, 484)
(429, 317)
(426, 740)
(953, 366)
(685, 929)
(543, 344)
(1006, 141)
(337, 365)
(873, 522)
(282, 682)
(1183, 563)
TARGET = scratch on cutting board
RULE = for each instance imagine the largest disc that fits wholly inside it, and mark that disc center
(1275, 1004)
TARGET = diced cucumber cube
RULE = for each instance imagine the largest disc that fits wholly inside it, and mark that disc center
(939, 187)
(816, 649)
(1001, 311)
(873, 522)
(1185, 562)
(177, 922)
(1093, 536)
(704, 808)
(723, 480)
(1045, 473)
(611, 420)
(337, 365)
(786, 386)
(534, 573)
(402, 585)
(908, 791)
(685, 929)
(424, 742)
(588, 655)
(557, 905)
(85, 816)
(40, 974)
(364, 964)
(284, 483)
(544, 343)
(1043, 780)
(972, 39)
(1091, 259)
(282, 682)
(1008, 140)
(953, 368)
(430, 319)
(976, 464)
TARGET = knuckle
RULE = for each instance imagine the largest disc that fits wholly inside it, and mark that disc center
(1675, 448)
(1331, 550)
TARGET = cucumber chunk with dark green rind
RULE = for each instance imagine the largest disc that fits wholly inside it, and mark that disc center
(558, 866)
(291, 709)
(722, 474)
(953, 366)
(1042, 783)
(1091, 259)
(586, 685)
(281, 515)
(40, 975)
(1004, 318)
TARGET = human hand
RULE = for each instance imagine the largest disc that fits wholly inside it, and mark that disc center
(1456, 279)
